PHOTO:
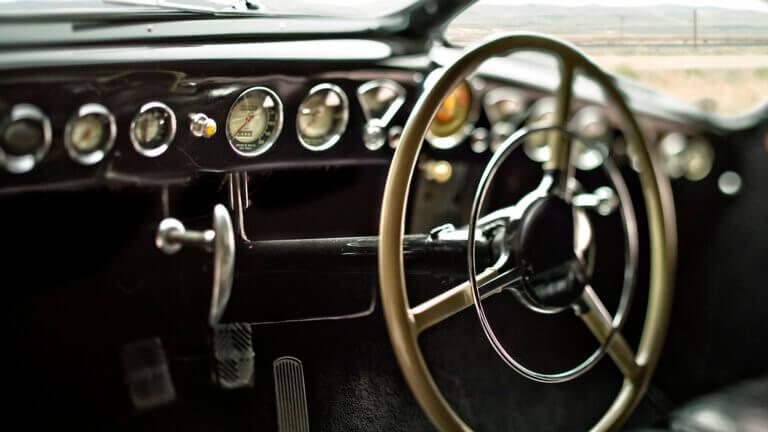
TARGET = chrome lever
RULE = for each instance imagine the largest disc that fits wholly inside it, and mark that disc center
(604, 200)
(172, 236)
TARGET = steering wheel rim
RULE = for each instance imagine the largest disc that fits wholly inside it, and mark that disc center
(400, 317)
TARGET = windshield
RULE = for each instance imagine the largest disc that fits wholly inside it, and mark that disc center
(339, 8)
(710, 52)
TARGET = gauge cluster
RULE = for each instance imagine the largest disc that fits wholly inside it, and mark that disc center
(111, 125)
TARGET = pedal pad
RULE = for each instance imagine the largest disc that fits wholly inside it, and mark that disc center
(233, 355)
(146, 374)
(291, 396)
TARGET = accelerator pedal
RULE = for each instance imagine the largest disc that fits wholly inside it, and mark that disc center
(291, 395)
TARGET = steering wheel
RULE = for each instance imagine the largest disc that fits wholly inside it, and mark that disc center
(547, 272)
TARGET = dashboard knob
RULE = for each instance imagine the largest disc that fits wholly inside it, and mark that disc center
(201, 125)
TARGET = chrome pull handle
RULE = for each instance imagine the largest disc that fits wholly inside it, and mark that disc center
(172, 236)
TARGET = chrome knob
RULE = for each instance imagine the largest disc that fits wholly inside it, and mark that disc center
(172, 236)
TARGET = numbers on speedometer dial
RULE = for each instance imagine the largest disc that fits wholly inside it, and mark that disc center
(254, 122)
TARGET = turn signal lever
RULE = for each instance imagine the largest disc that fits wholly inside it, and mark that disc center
(172, 236)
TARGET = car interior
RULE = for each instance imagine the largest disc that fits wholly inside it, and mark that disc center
(412, 215)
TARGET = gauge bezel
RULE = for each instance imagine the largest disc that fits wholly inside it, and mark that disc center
(97, 155)
(453, 140)
(338, 130)
(393, 108)
(278, 123)
(171, 133)
(504, 93)
(19, 164)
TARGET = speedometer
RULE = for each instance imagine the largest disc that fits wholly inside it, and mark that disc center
(254, 122)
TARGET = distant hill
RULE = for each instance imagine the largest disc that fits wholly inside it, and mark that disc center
(670, 20)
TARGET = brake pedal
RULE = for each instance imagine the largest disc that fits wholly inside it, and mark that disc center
(233, 355)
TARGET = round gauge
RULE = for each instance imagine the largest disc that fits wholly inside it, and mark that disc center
(322, 117)
(448, 127)
(672, 148)
(590, 123)
(504, 104)
(153, 129)
(380, 100)
(25, 137)
(90, 134)
(254, 121)
(542, 114)
(700, 157)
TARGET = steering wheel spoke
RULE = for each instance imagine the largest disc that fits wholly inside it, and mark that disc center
(443, 306)
(559, 143)
(599, 321)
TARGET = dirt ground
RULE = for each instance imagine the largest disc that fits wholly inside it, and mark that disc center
(735, 83)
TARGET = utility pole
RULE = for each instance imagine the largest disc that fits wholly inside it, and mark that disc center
(621, 29)
(695, 29)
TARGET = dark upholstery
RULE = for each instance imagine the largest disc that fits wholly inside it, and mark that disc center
(739, 408)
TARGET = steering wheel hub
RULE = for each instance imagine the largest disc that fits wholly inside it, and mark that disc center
(545, 244)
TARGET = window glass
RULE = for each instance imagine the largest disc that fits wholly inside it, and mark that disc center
(710, 52)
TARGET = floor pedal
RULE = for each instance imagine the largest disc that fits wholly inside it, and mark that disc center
(233, 355)
(292, 415)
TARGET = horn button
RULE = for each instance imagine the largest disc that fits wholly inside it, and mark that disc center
(545, 244)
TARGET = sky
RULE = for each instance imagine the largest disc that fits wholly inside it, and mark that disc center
(757, 5)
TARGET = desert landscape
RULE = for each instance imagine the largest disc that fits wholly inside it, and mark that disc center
(715, 57)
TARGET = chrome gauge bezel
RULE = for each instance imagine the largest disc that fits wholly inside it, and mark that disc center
(97, 155)
(278, 123)
(499, 94)
(339, 128)
(451, 141)
(19, 164)
(393, 108)
(170, 134)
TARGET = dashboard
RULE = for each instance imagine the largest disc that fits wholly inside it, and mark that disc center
(165, 123)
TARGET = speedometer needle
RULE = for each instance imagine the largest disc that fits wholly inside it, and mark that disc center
(247, 120)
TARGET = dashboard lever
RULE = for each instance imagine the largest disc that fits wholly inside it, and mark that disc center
(172, 236)
(604, 200)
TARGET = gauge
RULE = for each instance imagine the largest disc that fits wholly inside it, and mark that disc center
(542, 114)
(380, 100)
(254, 122)
(700, 157)
(504, 104)
(672, 148)
(322, 117)
(25, 137)
(591, 124)
(505, 109)
(451, 123)
(90, 134)
(153, 129)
